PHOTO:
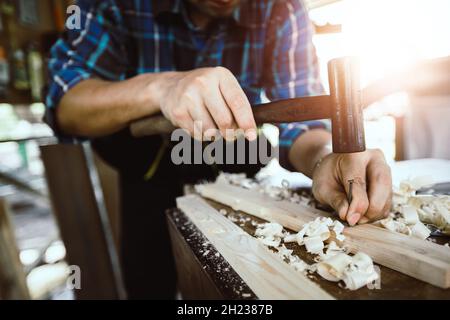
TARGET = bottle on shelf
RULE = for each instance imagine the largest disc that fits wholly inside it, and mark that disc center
(36, 72)
(20, 70)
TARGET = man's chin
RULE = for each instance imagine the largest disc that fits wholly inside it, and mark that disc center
(221, 13)
(216, 9)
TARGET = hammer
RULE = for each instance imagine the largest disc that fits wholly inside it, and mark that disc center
(343, 106)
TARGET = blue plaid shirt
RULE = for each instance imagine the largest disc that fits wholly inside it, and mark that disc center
(266, 44)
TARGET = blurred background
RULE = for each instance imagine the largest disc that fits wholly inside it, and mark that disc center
(391, 37)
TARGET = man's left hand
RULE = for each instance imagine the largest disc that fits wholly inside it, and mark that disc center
(372, 186)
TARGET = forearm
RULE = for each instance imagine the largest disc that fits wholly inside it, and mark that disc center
(308, 149)
(96, 107)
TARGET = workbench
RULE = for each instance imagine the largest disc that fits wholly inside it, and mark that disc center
(204, 274)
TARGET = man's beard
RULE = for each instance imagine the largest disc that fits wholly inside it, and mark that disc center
(213, 8)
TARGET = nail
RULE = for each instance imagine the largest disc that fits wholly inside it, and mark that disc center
(350, 191)
(251, 134)
(354, 219)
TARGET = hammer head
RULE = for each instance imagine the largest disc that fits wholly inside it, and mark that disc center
(346, 113)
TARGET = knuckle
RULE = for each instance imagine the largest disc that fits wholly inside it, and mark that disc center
(225, 122)
(200, 81)
(179, 114)
(378, 153)
(207, 126)
(237, 102)
(187, 97)
(221, 69)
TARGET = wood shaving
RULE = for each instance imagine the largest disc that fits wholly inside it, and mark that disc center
(274, 192)
(331, 249)
(411, 211)
(332, 269)
(317, 231)
(409, 214)
(314, 244)
(291, 237)
(270, 233)
(333, 265)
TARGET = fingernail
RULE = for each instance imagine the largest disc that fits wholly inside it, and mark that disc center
(251, 134)
(354, 219)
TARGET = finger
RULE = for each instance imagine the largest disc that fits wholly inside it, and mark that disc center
(183, 120)
(188, 125)
(339, 203)
(360, 201)
(219, 112)
(238, 103)
(363, 220)
(386, 210)
(380, 189)
(336, 199)
(203, 120)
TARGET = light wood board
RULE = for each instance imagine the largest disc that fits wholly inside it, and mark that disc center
(417, 258)
(263, 271)
(13, 285)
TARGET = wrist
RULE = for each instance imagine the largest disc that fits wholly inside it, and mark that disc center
(308, 149)
(318, 159)
(151, 88)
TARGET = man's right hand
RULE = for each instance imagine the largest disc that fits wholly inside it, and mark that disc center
(210, 96)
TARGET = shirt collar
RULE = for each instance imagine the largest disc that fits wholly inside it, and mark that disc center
(241, 15)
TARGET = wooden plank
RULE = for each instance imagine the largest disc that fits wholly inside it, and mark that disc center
(82, 219)
(109, 180)
(264, 272)
(420, 259)
(288, 214)
(13, 283)
(394, 285)
(197, 252)
(194, 282)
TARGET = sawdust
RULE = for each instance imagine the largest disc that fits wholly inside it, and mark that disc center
(225, 278)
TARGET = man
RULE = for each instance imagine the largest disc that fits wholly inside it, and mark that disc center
(204, 61)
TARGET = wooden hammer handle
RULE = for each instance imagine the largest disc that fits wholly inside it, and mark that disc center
(151, 126)
(287, 110)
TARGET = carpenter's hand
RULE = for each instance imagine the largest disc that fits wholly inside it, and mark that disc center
(211, 97)
(372, 187)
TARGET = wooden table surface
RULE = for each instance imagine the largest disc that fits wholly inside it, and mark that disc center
(204, 274)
